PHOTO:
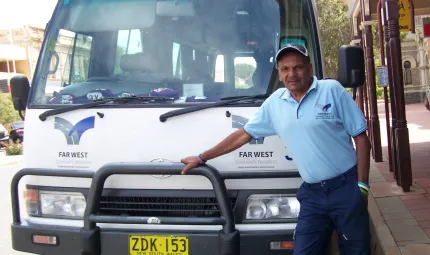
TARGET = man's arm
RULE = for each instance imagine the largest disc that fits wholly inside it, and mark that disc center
(260, 125)
(363, 146)
(355, 125)
(234, 141)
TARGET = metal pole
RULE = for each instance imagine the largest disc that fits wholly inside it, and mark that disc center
(370, 71)
(387, 111)
(28, 49)
(11, 44)
(402, 133)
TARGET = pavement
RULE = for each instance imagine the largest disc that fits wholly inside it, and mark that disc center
(8, 160)
(7, 171)
(401, 221)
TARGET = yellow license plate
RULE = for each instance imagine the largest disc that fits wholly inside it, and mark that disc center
(157, 245)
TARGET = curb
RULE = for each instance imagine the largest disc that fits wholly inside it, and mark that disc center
(11, 163)
(13, 159)
(383, 242)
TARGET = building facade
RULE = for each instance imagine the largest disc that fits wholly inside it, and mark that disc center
(23, 47)
(414, 48)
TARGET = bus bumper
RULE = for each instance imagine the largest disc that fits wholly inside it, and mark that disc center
(72, 241)
(93, 240)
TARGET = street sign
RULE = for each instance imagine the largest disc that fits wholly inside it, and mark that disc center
(382, 76)
(404, 16)
(426, 26)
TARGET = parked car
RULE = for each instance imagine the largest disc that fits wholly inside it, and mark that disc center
(3, 131)
(17, 131)
(4, 135)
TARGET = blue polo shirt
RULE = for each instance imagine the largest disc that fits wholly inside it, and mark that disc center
(317, 130)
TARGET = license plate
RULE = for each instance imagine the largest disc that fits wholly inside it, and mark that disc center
(157, 245)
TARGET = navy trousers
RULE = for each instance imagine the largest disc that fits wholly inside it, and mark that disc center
(334, 204)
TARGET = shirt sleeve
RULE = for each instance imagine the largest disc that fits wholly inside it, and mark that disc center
(351, 116)
(260, 125)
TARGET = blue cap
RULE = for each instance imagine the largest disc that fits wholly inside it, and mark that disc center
(292, 47)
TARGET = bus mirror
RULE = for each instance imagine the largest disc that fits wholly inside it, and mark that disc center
(19, 89)
(351, 66)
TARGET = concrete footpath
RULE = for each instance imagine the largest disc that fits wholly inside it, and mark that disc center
(401, 221)
(394, 227)
(7, 160)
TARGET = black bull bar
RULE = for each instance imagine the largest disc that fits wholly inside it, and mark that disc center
(90, 232)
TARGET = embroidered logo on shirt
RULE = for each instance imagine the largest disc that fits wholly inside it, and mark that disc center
(325, 113)
(324, 108)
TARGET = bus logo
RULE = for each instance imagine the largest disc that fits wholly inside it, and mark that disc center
(73, 133)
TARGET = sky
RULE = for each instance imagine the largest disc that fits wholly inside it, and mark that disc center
(16, 13)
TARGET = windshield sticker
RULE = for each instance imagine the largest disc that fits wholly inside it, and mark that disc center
(193, 90)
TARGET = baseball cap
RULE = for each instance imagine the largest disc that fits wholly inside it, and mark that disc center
(292, 47)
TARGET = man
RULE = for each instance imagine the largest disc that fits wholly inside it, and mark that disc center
(316, 120)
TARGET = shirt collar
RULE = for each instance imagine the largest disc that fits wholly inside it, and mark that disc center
(287, 94)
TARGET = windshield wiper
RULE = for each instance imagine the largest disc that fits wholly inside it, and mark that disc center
(260, 96)
(228, 100)
(97, 102)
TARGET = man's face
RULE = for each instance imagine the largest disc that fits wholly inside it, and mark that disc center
(295, 71)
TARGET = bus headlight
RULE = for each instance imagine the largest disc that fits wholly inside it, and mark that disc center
(64, 204)
(272, 206)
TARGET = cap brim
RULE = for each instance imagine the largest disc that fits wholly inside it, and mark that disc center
(284, 50)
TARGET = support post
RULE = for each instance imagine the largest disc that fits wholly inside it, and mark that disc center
(370, 75)
(392, 97)
(366, 106)
(387, 111)
(401, 132)
(360, 89)
(360, 101)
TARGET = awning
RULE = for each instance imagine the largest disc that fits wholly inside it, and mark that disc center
(12, 52)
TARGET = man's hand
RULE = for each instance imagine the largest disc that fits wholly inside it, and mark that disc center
(365, 197)
(229, 144)
(190, 162)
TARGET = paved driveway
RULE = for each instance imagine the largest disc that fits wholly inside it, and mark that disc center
(6, 173)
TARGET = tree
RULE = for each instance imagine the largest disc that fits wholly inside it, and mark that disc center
(8, 114)
(244, 70)
(334, 30)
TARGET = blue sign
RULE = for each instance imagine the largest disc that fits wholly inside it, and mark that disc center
(382, 76)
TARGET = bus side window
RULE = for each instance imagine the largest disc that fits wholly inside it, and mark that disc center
(219, 69)
(244, 69)
(76, 67)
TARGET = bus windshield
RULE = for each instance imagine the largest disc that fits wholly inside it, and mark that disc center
(194, 51)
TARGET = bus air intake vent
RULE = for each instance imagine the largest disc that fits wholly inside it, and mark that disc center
(161, 206)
